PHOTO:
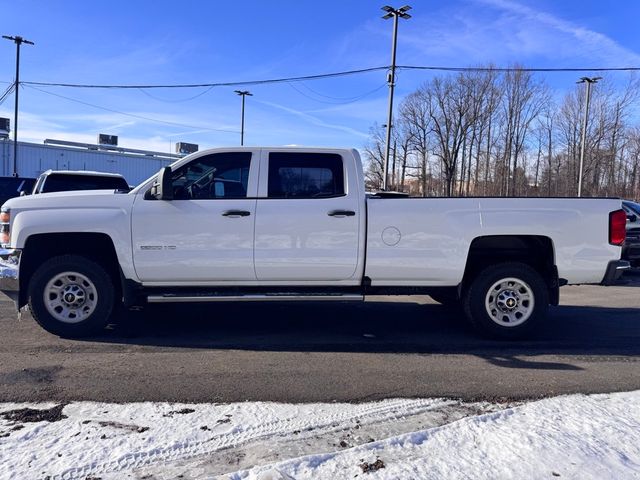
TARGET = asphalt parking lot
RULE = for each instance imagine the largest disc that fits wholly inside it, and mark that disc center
(385, 347)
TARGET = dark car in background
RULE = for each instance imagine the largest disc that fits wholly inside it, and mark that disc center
(631, 247)
(67, 180)
(13, 186)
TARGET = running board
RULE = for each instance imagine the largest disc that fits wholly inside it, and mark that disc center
(267, 297)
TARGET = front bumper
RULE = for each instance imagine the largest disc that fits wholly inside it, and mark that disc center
(9, 272)
(614, 271)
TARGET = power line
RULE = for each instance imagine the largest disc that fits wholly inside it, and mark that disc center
(336, 100)
(519, 69)
(218, 84)
(175, 101)
(339, 99)
(131, 114)
(7, 92)
(338, 74)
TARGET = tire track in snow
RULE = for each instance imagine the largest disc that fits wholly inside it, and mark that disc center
(381, 411)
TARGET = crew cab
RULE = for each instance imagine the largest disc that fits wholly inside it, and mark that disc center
(264, 224)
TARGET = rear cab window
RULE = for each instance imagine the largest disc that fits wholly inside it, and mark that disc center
(305, 175)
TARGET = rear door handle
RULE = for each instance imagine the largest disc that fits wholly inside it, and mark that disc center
(341, 213)
(236, 213)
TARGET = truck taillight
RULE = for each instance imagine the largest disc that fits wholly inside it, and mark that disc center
(617, 227)
(5, 225)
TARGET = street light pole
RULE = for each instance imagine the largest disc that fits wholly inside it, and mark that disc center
(583, 136)
(18, 41)
(242, 93)
(394, 13)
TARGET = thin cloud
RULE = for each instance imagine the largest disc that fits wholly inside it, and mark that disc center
(314, 120)
(585, 40)
(504, 32)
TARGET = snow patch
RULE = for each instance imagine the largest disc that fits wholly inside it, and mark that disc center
(578, 436)
(581, 437)
(92, 439)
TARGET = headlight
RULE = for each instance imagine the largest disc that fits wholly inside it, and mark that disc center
(5, 227)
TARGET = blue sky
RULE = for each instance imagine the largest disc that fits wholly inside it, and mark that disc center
(160, 42)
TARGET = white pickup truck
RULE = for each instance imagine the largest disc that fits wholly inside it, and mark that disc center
(258, 224)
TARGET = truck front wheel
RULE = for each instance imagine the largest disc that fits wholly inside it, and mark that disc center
(507, 300)
(71, 296)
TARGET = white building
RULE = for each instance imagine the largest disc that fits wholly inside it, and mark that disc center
(34, 158)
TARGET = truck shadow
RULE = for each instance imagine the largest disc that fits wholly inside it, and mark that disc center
(377, 327)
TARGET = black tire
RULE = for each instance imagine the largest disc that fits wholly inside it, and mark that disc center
(94, 296)
(447, 297)
(494, 321)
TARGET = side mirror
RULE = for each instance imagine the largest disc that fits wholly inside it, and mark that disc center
(162, 188)
(23, 193)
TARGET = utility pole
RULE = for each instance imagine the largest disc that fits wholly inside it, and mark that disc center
(583, 136)
(242, 93)
(394, 13)
(18, 41)
(393, 163)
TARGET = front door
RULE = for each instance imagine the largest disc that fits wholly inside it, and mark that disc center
(205, 234)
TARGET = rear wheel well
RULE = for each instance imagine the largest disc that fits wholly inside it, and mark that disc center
(41, 247)
(534, 250)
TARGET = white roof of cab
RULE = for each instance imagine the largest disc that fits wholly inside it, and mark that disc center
(88, 173)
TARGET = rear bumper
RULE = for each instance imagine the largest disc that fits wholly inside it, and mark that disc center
(614, 271)
(9, 272)
(631, 249)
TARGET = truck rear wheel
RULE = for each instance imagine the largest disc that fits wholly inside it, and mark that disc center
(507, 300)
(71, 296)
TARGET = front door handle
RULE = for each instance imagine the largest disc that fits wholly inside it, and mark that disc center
(341, 213)
(236, 213)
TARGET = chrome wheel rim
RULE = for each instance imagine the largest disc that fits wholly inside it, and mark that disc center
(509, 302)
(70, 297)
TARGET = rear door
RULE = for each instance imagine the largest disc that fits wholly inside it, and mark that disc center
(307, 218)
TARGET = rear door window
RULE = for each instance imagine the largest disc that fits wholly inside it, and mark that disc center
(305, 175)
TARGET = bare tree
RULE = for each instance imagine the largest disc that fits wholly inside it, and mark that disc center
(449, 105)
(524, 98)
(415, 116)
(374, 157)
(493, 133)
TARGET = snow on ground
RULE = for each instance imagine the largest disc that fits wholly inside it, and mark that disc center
(581, 437)
(88, 439)
(569, 437)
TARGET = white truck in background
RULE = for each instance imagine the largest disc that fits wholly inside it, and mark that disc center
(260, 224)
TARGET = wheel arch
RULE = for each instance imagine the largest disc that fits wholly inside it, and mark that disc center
(537, 251)
(98, 247)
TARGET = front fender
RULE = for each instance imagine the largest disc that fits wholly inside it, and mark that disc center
(114, 222)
